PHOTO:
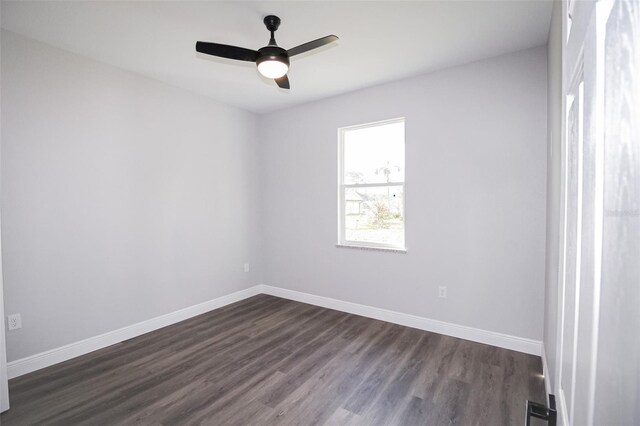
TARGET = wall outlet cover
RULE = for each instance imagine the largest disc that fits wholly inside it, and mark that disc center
(14, 321)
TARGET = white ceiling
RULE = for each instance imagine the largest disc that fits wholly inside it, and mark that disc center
(379, 41)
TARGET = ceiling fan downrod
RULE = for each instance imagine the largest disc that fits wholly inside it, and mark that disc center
(272, 23)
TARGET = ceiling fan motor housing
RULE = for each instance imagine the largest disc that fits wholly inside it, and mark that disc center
(272, 53)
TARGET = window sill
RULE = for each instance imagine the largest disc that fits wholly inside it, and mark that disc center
(395, 250)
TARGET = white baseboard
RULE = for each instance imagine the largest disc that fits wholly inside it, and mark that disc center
(561, 405)
(545, 373)
(54, 356)
(563, 414)
(519, 344)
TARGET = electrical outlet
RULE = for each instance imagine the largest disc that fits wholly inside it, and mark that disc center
(246, 267)
(442, 292)
(15, 321)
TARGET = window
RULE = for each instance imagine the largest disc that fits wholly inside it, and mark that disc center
(371, 185)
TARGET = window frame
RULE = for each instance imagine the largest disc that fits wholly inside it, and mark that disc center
(342, 241)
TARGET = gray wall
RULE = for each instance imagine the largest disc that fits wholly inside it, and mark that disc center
(475, 196)
(123, 198)
(554, 142)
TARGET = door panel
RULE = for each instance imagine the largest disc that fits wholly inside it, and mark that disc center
(582, 192)
(618, 368)
(598, 349)
(574, 141)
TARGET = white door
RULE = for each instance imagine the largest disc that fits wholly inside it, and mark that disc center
(617, 392)
(577, 158)
(574, 162)
(582, 196)
(590, 60)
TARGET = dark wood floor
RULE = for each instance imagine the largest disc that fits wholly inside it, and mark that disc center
(268, 361)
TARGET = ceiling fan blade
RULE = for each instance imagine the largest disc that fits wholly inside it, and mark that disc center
(283, 82)
(226, 51)
(312, 45)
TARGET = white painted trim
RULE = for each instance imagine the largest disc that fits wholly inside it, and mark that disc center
(372, 185)
(545, 373)
(393, 250)
(54, 356)
(519, 344)
(561, 405)
(342, 241)
(602, 13)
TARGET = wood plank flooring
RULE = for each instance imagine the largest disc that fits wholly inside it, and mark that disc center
(268, 361)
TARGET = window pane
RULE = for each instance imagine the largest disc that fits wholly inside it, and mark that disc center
(375, 215)
(374, 154)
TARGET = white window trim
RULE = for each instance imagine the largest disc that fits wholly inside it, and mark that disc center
(342, 241)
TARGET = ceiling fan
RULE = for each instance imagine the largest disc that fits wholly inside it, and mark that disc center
(272, 60)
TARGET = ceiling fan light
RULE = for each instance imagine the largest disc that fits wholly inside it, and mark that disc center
(273, 68)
